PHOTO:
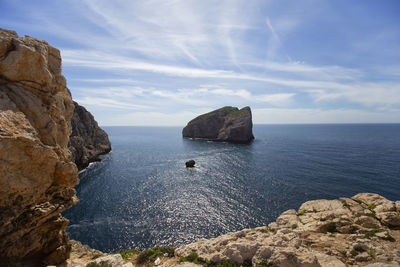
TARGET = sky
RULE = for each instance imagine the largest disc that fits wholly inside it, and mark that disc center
(162, 63)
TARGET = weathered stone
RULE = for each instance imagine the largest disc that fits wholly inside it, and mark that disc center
(113, 259)
(87, 141)
(363, 257)
(329, 261)
(36, 173)
(367, 222)
(225, 124)
(313, 241)
(391, 219)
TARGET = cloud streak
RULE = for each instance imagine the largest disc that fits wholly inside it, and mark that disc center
(167, 57)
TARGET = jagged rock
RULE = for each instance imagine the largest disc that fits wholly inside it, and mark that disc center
(36, 173)
(87, 141)
(113, 259)
(225, 124)
(190, 163)
(321, 233)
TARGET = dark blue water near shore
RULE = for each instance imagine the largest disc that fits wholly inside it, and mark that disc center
(141, 195)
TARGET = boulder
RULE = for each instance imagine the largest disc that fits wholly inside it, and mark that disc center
(227, 124)
(190, 163)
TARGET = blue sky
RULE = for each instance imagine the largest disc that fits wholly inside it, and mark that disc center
(165, 62)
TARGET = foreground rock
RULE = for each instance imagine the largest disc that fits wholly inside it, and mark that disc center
(227, 124)
(361, 231)
(87, 141)
(36, 173)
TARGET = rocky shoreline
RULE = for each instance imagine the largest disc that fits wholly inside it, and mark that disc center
(360, 231)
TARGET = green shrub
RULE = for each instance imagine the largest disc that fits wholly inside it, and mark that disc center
(345, 204)
(372, 233)
(264, 263)
(354, 252)
(388, 237)
(151, 254)
(330, 227)
(101, 264)
(301, 213)
(193, 257)
(126, 254)
(371, 253)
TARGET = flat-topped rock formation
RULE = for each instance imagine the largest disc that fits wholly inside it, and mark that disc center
(36, 173)
(227, 124)
(87, 141)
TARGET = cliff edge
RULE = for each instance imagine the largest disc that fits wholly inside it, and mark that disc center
(361, 231)
(87, 140)
(36, 173)
(227, 124)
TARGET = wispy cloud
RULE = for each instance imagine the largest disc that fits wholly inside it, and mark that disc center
(161, 56)
(109, 103)
(309, 116)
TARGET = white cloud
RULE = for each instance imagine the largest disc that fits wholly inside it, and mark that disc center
(153, 118)
(308, 115)
(108, 103)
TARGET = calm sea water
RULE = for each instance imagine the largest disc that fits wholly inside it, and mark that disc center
(141, 195)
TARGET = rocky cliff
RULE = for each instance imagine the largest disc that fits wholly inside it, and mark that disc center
(227, 124)
(87, 140)
(361, 231)
(36, 173)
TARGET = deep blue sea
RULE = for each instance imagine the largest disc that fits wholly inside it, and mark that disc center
(141, 195)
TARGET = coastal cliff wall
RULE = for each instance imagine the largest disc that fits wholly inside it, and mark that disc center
(87, 140)
(36, 173)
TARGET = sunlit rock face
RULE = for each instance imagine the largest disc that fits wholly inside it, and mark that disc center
(362, 231)
(227, 124)
(87, 141)
(36, 173)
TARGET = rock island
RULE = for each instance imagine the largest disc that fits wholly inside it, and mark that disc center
(227, 124)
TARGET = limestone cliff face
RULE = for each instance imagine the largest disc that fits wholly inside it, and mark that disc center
(227, 124)
(87, 140)
(36, 173)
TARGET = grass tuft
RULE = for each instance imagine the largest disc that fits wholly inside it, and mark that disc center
(101, 264)
(127, 254)
(151, 254)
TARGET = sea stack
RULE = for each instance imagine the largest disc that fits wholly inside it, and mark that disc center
(227, 124)
(37, 177)
(87, 141)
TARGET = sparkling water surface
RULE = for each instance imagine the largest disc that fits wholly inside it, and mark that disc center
(141, 195)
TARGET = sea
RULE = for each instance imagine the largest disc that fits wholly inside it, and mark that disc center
(141, 195)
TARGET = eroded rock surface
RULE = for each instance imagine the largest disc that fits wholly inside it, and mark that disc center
(36, 173)
(228, 124)
(361, 231)
(87, 141)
